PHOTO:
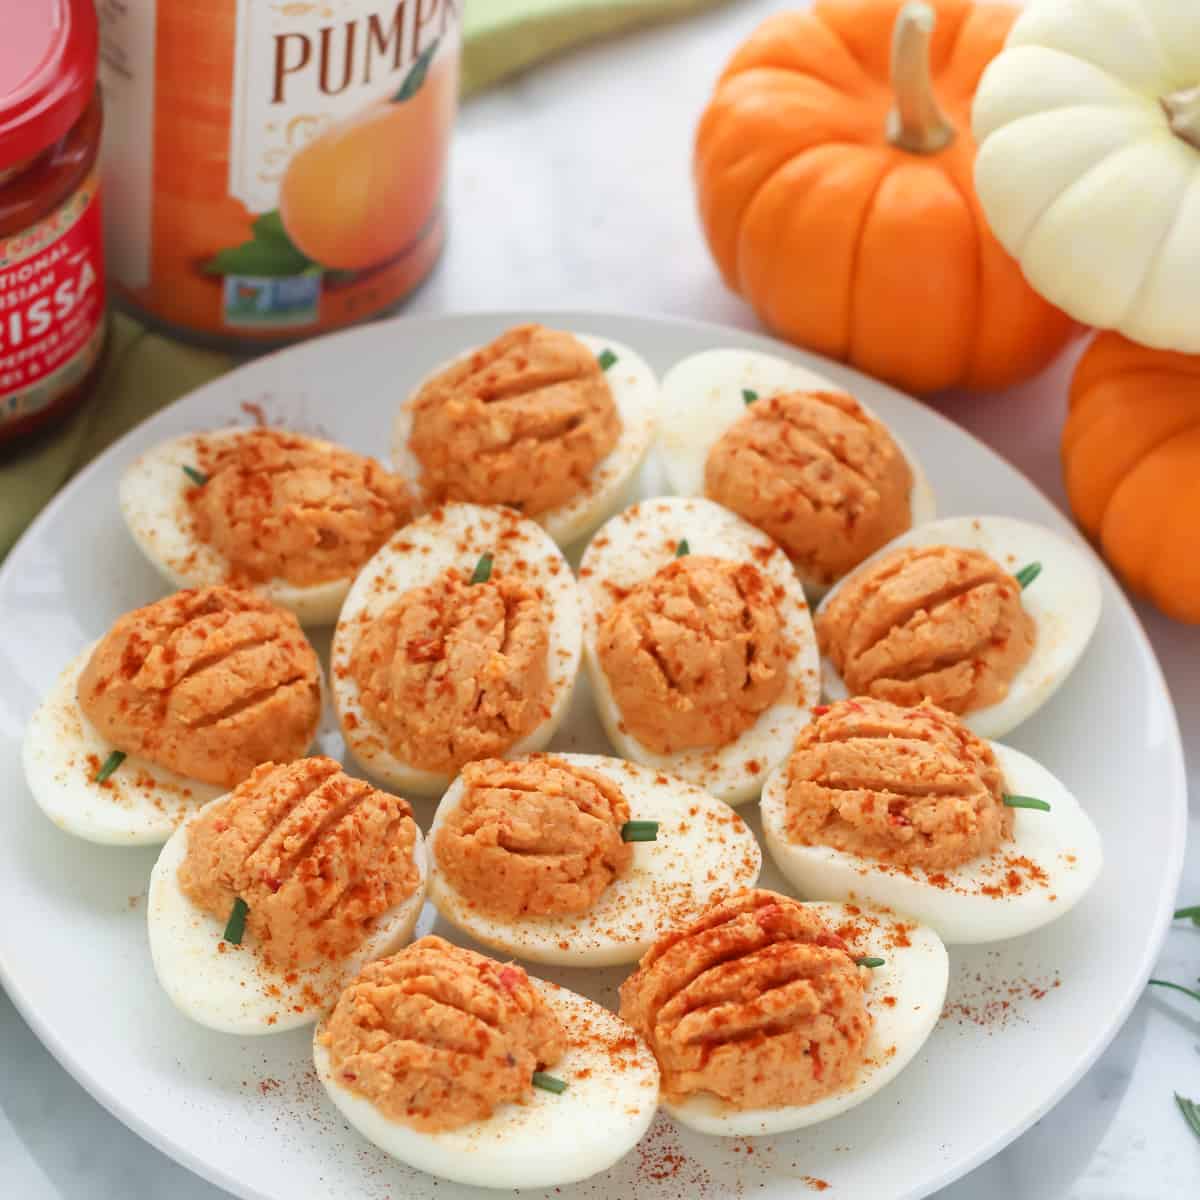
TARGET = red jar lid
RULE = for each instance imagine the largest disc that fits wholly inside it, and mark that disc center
(48, 52)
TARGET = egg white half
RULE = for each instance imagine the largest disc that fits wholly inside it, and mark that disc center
(1062, 845)
(912, 980)
(1064, 602)
(153, 500)
(228, 988)
(635, 393)
(702, 849)
(633, 547)
(140, 804)
(553, 1139)
(453, 536)
(704, 394)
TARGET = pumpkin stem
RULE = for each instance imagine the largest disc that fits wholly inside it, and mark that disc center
(917, 123)
(1183, 115)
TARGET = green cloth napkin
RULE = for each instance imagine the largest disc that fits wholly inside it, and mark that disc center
(145, 370)
(502, 37)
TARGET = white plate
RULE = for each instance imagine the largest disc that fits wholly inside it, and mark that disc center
(251, 1116)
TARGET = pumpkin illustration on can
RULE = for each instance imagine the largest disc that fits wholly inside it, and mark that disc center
(281, 166)
(358, 194)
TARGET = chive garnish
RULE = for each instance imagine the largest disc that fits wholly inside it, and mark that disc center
(1028, 573)
(869, 962)
(749, 395)
(110, 764)
(197, 477)
(606, 358)
(639, 831)
(1025, 802)
(1191, 1112)
(549, 1083)
(236, 925)
(682, 549)
(1189, 914)
(483, 569)
(1175, 987)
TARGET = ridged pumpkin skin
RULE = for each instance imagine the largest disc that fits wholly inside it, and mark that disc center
(1131, 458)
(840, 240)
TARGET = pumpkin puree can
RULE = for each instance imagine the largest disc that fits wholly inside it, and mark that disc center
(274, 168)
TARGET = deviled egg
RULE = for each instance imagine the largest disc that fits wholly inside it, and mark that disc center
(699, 645)
(264, 903)
(467, 1069)
(554, 424)
(580, 859)
(794, 454)
(985, 616)
(906, 807)
(176, 704)
(768, 1015)
(459, 640)
(291, 516)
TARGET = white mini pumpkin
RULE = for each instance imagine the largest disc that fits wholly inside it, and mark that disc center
(1088, 125)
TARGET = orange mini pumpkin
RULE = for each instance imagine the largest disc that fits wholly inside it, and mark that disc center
(1131, 457)
(837, 194)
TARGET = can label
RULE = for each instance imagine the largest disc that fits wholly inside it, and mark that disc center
(51, 304)
(280, 165)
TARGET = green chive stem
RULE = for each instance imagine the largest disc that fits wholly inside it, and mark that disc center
(1189, 914)
(749, 395)
(606, 358)
(682, 549)
(197, 477)
(639, 831)
(1026, 802)
(1028, 573)
(1175, 987)
(869, 962)
(110, 764)
(549, 1083)
(483, 569)
(235, 927)
(1191, 1113)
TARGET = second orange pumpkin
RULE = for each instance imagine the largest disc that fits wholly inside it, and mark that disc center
(836, 191)
(1131, 459)
(364, 190)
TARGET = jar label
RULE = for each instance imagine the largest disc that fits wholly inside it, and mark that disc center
(295, 183)
(51, 304)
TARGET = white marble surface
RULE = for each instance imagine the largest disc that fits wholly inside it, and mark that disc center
(571, 187)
